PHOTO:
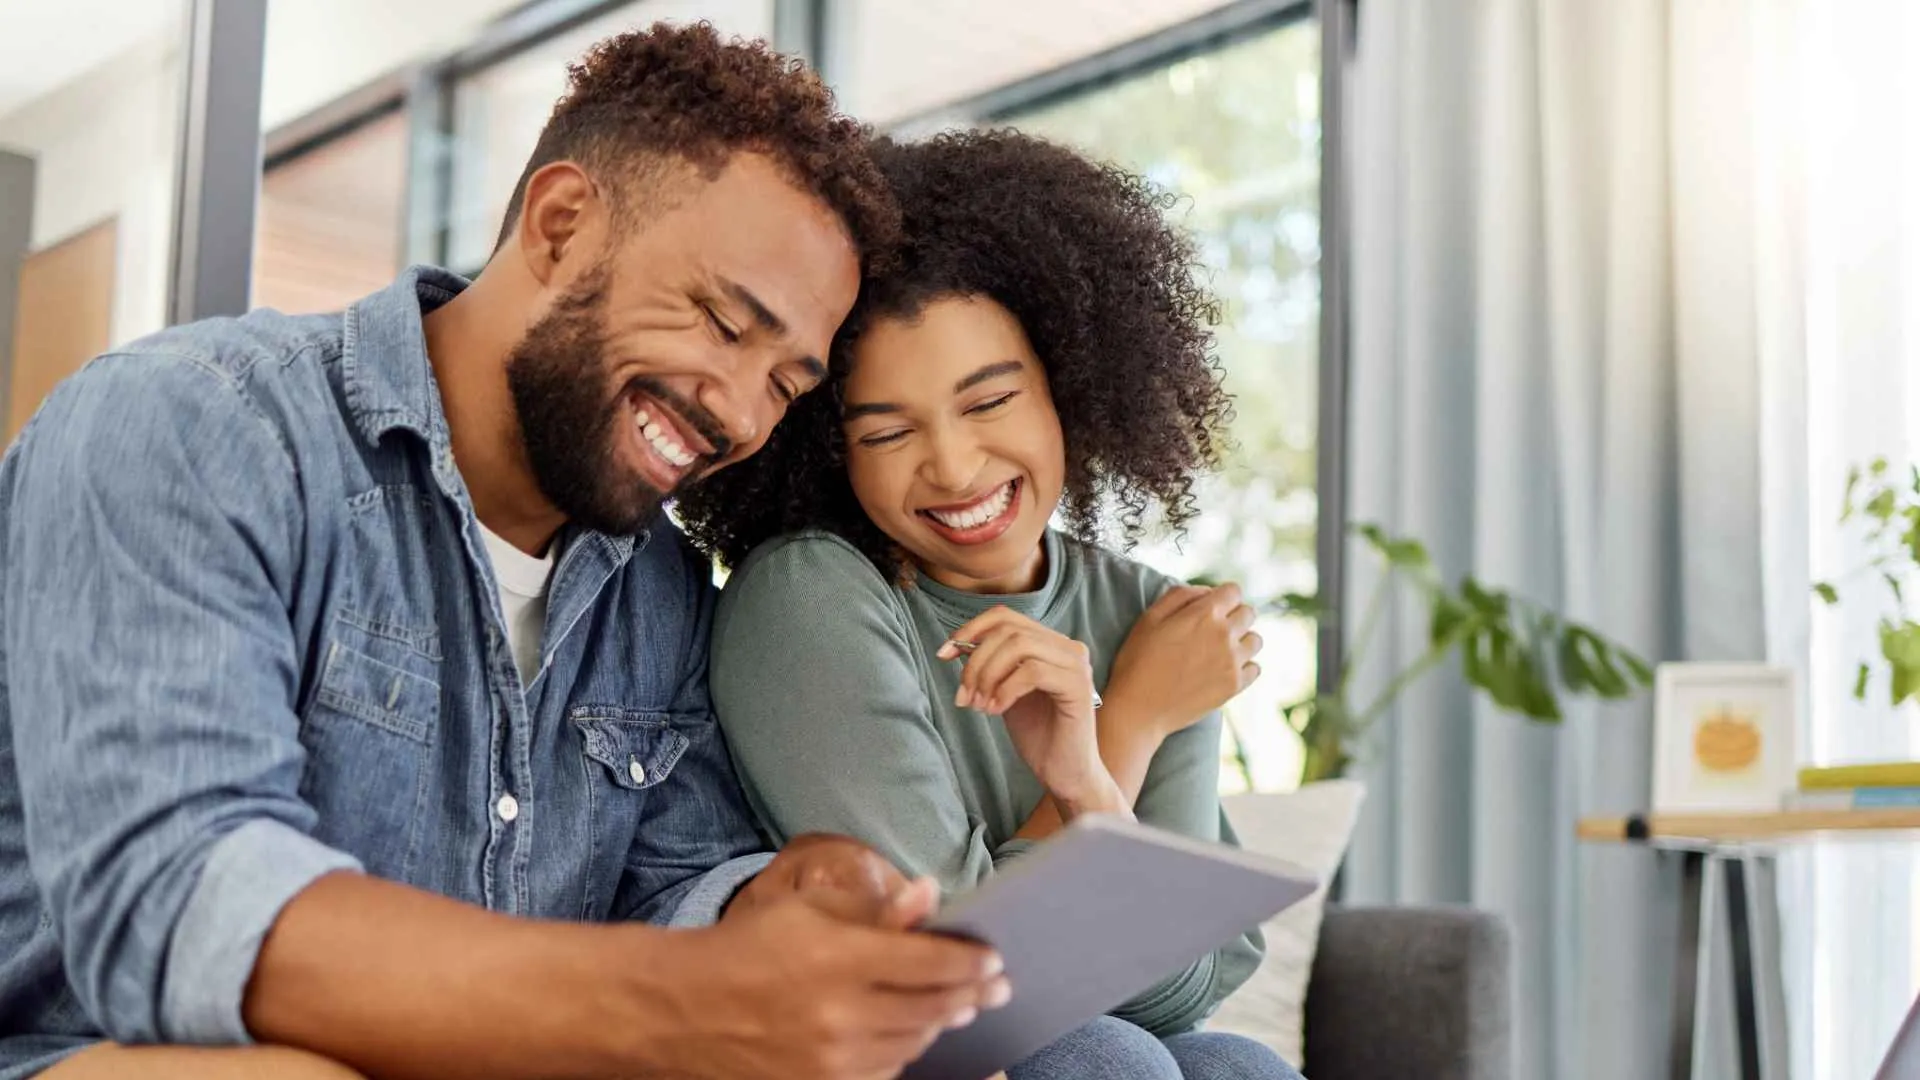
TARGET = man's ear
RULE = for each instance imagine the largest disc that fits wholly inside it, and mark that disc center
(553, 214)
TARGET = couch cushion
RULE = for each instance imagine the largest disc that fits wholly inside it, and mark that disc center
(1309, 828)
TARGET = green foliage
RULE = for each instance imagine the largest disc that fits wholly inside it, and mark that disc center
(1327, 731)
(1234, 135)
(1886, 508)
(1524, 657)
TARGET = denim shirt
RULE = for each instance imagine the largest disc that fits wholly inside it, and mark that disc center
(251, 636)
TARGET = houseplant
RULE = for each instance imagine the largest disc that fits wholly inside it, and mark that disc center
(1888, 506)
(1523, 656)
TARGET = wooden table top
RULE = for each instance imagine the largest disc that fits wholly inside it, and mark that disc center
(1717, 828)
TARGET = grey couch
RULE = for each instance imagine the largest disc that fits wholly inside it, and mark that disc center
(1419, 993)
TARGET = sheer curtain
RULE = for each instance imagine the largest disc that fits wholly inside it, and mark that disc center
(1633, 283)
(1853, 911)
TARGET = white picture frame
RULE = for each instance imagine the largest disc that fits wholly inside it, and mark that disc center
(1725, 737)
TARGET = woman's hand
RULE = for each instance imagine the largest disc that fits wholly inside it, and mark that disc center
(1189, 654)
(1040, 682)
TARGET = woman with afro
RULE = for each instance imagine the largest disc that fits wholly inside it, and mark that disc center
(909, 650)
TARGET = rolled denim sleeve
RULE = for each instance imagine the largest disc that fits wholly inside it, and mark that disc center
(249, 875)
(704, 900)
(149, 570)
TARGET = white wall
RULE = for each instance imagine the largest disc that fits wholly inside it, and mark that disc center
(106, 146)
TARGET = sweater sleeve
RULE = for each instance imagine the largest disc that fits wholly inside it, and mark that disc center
(1182, 794)
(817, 684)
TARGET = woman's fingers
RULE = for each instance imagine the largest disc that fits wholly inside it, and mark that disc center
(975, 643)
(1173, 600)
(994, 691)
(1024, 679)
(1240, 619)
(986, 664)
(1250, 645)
(1226, 598)
(995, 644)
(1063, 679)
(972, 633)
(986, 685)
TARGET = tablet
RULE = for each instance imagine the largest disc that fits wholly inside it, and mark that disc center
(1903, 1057)
(1096, 914)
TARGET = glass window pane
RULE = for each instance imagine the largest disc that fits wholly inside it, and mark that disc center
(896, 60)
(1236, 132)
(318, 50)
(331, 220)
(498, 112)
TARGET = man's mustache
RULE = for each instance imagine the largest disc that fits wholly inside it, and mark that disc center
(697, 416)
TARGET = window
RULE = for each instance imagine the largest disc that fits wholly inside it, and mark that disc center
(1853, 924)
(499, 110)
(1236, 132)
(331, 220)
(898, 60)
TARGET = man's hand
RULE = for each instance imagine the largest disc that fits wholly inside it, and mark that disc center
(814, 984)
(818, 861)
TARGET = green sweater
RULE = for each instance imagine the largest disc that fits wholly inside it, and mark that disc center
(841, 720)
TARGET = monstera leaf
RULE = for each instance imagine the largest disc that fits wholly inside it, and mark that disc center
(1524, 657)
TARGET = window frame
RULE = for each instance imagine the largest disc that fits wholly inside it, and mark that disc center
(817, 31)
(1225, 26)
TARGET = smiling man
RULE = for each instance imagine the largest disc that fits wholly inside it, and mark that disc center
(355, 715)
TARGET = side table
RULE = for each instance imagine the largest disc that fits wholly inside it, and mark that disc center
(1743, 848)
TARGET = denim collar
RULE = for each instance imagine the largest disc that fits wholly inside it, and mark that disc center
(388, 378)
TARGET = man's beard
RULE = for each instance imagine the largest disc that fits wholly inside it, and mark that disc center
(572, 425)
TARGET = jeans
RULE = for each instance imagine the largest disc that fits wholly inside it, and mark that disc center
(1110, 1049)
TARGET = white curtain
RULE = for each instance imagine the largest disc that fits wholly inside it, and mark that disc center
(1855, 908)
(1632, 282)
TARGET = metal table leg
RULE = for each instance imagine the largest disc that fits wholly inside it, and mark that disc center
(1686, 969)
(1746, 1011)
(1769, 964)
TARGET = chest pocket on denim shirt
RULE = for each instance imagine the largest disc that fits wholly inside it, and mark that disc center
(627, 753)
(369, 733)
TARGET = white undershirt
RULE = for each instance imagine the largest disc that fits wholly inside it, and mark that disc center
(523, 599)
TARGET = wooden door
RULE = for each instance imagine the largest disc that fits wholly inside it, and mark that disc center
(65, 317)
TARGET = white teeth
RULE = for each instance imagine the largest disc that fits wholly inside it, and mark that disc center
(978, 514)
(662, 439)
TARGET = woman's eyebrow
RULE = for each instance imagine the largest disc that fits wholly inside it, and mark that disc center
(968, 382)
(991, 371)
(855, 412)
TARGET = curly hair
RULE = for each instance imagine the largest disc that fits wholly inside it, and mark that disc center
(647, 98)
(1082, 255)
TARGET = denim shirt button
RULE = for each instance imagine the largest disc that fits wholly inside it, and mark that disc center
(636, 771)
(508, 808)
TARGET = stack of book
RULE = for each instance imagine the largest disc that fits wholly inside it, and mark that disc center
(1883, 785)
